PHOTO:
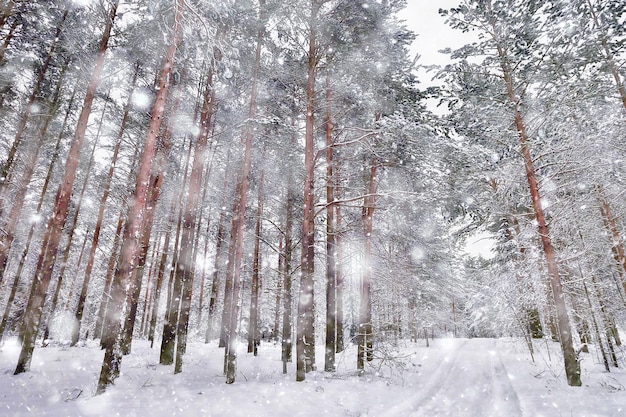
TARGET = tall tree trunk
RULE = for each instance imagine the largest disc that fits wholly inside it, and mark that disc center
(72, 229)
(7, 233)
(134, 291)
(287, 344)
(9, 228)
(108, 280)
(103, 199)
(239, 215)
(161, 273)
(572, 366)
(279, 288)
(253, 325)
(42, 195)
(8, 164)
(130, 245)
(215, 282)
(305, 337)
(152, 195)
(338, 270)
(617, 247)
(331, 278)
(186, 265)
(32, 318)
(364, 351)
(172, 310)
(8, 38)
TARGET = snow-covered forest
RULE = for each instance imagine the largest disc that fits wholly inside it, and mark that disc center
(196, 196)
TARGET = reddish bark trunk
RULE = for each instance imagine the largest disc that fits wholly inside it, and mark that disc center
(240, 214)
(331, 278)
(132, 234)
(572, 366)
(8, 164)
(305, 338)
(103, 199)
(186, 266)
(30, 325)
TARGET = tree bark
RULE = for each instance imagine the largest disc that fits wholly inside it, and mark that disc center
(8, 38)
(108, 282)
(305, 338)
(130, 245)
(253, 325)
(287, 344)
(103, 199)
(172, 310)
(239, 215)
(32, 318)
(72, 229)
(338, 270)
(8, 164)
(7, 233)
(186, 265)
(331, 278)
(572, 366)
(161, 274)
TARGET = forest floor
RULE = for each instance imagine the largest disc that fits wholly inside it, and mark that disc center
(452, 377)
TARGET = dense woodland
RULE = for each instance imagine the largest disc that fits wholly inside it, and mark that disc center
(243, 170)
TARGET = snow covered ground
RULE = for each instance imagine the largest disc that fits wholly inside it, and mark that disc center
(452, 377)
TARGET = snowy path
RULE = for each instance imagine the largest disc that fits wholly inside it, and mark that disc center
(470, 381)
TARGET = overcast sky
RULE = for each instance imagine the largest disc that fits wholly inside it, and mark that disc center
(422, 17)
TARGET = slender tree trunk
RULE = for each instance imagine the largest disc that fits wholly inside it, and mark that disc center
(8, 164)
(148, 212)
(338, 270)
(32, 318)
(103, 199)
(186, 266)
(130, 245)
(287, 344)
(215, 282)
(108, 282)
(617, 247)
(172, 310)
(279, 288)
(134, 291)
(331, 278)
(240, 214)
(364, 351)
(572, 366)
(305, 338)
(44, 190)
(7, 11)
(161, 274)
(253, 328)
(147, 295)
(7, 233)
(72, 230)
(8, 38)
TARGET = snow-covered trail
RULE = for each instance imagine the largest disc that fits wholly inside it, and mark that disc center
(473, 381)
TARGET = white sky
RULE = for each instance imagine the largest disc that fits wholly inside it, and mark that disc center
(422, 17)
